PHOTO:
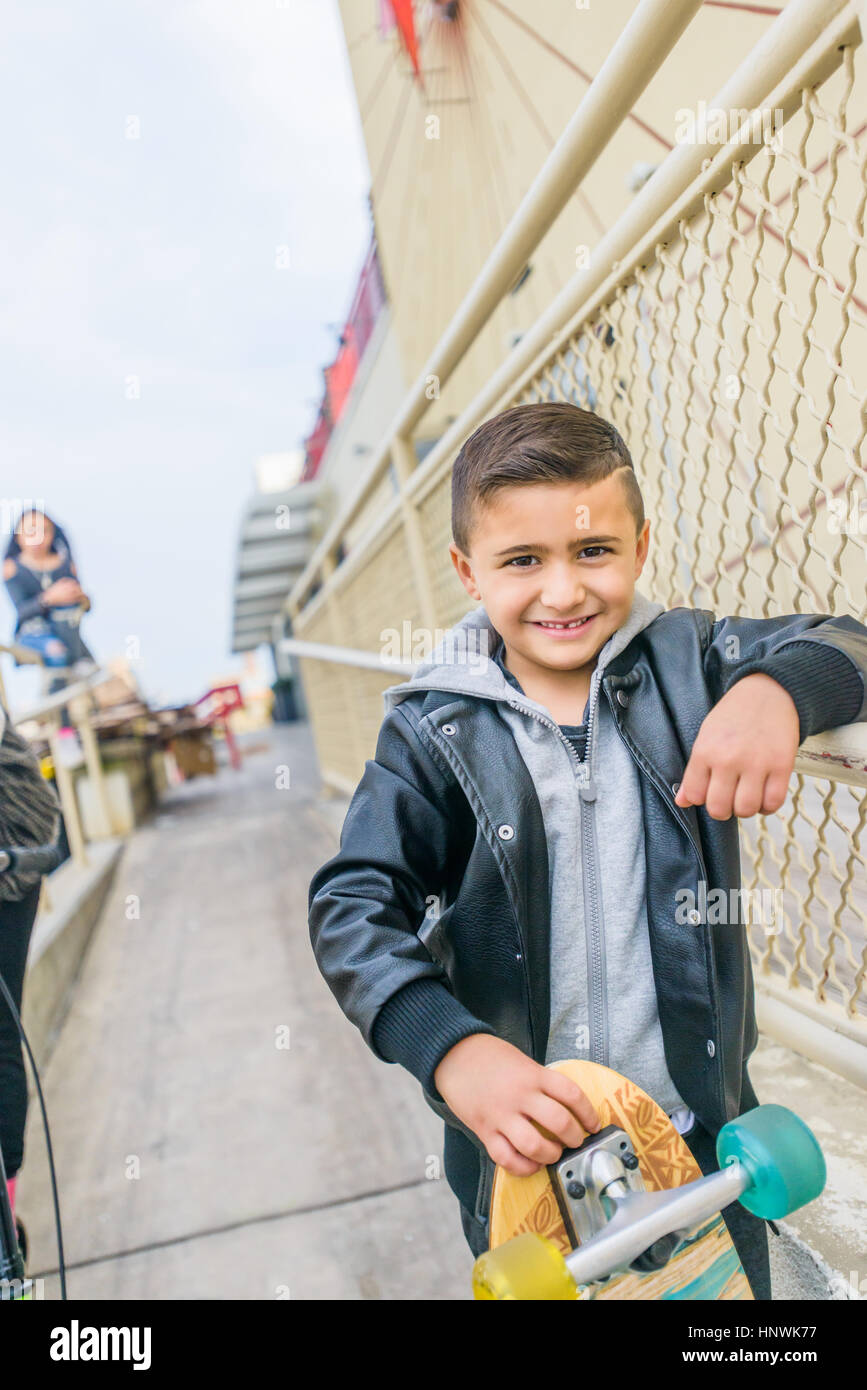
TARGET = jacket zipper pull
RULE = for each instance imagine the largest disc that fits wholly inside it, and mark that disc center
(586, 785)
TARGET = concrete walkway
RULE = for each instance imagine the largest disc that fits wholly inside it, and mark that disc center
(197, 1155)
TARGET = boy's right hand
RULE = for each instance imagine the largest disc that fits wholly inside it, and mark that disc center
(525, 1114)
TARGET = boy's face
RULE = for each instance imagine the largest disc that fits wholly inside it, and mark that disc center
(549, 553)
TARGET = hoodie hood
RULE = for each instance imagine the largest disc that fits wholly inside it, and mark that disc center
(462, 661)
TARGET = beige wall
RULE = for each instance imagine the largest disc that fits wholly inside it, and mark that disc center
(502, 83)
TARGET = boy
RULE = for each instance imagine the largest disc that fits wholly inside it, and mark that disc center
(570, 760)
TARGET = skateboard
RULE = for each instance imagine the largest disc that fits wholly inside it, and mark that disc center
(629, 1214)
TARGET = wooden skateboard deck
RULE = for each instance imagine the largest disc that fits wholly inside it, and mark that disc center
(706, 1266)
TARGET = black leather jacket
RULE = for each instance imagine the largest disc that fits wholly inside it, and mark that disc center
(423, 824)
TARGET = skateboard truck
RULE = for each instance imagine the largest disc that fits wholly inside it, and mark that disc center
(602, 1178)
(646, 1227)
(769, 1160)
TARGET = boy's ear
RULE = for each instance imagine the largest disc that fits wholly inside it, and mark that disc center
(464, 571)
(642, 546)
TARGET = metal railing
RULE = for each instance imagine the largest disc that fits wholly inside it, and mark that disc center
(721, 325)
(77, 700)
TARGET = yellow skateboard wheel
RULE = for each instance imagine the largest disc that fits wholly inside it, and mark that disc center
(524, 1268)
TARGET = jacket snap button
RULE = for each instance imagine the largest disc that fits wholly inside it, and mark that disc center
(622, 697)
(710, 1047)
(694, 916)
(505, 832)
(448, 728)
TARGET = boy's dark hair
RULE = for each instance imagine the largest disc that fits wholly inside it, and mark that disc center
(546, 443)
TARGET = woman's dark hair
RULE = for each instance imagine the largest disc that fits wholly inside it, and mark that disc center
(546, 443)
(59, 542)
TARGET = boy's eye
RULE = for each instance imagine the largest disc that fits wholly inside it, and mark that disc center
(589, 550)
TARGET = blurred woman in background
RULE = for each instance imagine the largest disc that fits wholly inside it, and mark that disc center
(42, 582)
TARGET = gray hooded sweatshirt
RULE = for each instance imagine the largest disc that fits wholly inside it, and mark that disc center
(603, 998)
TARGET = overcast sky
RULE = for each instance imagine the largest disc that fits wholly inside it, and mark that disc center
(154, 260)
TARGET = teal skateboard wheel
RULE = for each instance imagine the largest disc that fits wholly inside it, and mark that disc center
(786, 1166)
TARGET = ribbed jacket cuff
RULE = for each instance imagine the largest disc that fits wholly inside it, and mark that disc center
(417, 1026)
(824, 683)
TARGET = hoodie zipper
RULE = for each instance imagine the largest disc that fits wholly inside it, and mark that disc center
(593, 917)
(593, 921)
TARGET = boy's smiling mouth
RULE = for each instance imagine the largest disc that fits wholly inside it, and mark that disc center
(572, 628)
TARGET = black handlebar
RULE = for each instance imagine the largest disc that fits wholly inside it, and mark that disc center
(40, 860)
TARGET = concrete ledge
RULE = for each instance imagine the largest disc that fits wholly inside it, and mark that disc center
(821, 1254)
(59, 941)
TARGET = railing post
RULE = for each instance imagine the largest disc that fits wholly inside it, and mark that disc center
(336, 620)
(66, 792)
(404, 460)
(79, 709)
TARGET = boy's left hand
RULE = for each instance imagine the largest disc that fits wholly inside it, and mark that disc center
(743, 757)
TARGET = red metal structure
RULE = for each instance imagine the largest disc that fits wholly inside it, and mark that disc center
(215, 708)
(367, 303)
